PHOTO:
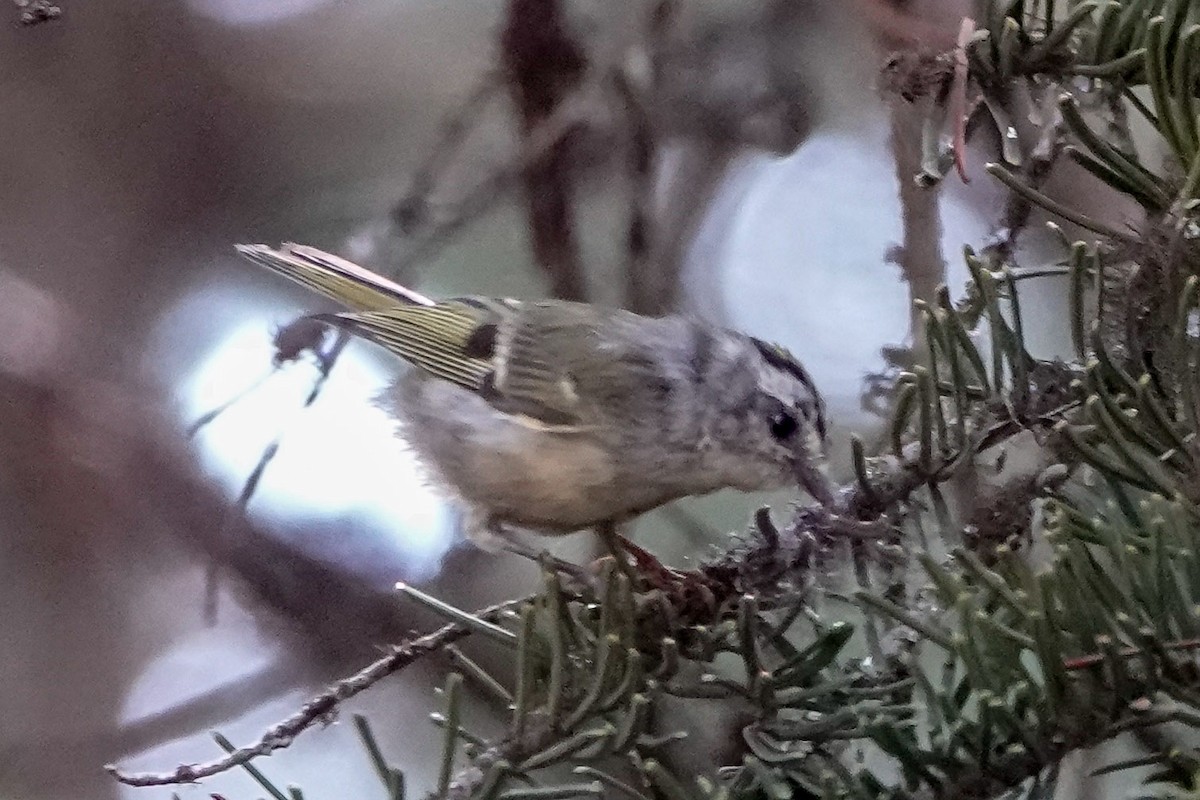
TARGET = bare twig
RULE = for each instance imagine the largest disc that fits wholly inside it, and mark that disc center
(958, 98)
(1095, 659)
(411, 211)
(643, 293)
(897, 28)
(318, 708)
(444, 223)
(326, 361)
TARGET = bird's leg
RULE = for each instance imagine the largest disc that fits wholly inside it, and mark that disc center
(646, 565)
(487, 533)
(615, 542)
(491, 535)
(684, 589)
(647, 562)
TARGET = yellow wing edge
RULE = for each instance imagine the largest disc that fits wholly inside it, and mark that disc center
(334, 277)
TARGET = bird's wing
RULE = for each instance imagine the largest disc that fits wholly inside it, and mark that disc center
(340, 280)
(447, 340)
(489, 346)
(534, 354)
(496, 348)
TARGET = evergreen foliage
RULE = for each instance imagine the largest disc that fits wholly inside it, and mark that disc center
(1063, 615)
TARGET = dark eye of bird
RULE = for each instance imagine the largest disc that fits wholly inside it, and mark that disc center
(783, 424)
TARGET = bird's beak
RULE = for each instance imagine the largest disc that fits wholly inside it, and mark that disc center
(810, 472)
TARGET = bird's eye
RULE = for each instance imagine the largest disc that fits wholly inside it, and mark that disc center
(783, 424)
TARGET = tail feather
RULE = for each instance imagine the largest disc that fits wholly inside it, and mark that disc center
(342, 281)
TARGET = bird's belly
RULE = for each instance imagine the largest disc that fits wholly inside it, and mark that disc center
(515, 470)
(542, 483)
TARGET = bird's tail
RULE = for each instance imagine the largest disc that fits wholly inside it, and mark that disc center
(340, 280)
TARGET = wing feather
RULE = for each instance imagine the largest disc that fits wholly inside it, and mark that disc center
(518, 356)
(535, 357)
(433, 338)
(487, 345)
(340, 280)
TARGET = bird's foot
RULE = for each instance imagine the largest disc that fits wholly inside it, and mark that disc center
(692, 593)
(648, 565)
(493, 536)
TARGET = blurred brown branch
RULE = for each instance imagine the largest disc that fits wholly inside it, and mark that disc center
(544, 66)
(100, 492)
(898, 24)
(647, 84)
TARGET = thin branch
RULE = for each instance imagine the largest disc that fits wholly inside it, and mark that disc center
(326, 361)
(319, 708)
(1035, 170)
(412, 210)
(919, 256)
(576, 114)
(1095, 659)
(958, 98)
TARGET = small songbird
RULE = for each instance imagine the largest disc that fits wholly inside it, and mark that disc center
(556, 416)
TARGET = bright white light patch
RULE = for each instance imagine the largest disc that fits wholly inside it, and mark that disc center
(254, 12)
(339, 457)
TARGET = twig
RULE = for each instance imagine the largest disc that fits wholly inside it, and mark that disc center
(1036, 169)
(958, 98)
(412, 210)
(211, 415)
(897, 27)
(642, 293)
(575, 114)
(919, 255)
(318, 708)
(326, 362)
(582, 123)
(1095, 659)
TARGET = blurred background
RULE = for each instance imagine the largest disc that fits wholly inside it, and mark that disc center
(736, 161)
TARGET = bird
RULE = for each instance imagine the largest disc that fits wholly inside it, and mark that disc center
(553, 416)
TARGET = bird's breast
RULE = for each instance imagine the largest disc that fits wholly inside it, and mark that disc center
(515, 469)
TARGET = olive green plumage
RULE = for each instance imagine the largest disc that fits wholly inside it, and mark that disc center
(557, 415)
